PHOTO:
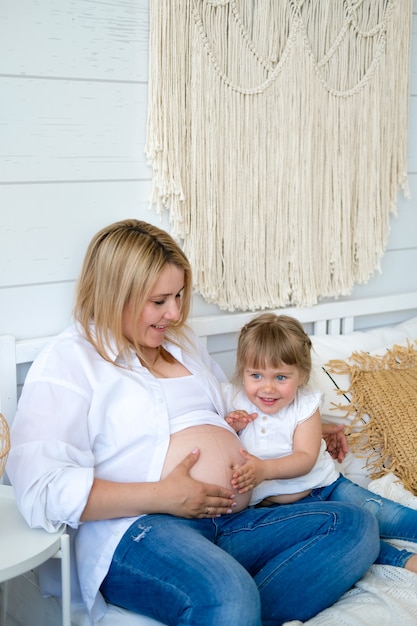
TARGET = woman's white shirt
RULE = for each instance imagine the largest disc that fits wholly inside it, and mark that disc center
(81, 417)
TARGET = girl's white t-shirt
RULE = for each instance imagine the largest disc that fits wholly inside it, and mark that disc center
(271, 436)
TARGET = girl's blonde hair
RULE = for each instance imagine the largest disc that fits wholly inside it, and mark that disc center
(271, 340)
(122, 264)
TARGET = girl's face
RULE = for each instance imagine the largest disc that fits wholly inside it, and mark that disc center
(161, 309)
(271, 389)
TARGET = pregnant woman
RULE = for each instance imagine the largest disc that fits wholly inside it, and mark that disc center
(120, 434)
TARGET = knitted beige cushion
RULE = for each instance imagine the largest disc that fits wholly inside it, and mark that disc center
(383, 403)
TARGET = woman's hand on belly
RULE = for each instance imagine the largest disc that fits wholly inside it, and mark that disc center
(219, 455)
(184, 496)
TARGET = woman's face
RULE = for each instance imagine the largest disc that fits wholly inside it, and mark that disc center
(161, 309)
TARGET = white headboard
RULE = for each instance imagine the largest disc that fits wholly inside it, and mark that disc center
(220, 334)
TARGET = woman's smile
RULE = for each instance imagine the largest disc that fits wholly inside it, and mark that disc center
(159, 328)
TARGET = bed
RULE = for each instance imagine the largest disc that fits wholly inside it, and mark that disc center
(372, 327)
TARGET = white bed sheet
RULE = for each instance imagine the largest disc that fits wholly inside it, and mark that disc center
(386, 595)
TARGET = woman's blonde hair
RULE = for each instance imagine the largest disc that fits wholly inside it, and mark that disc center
(122, 264)
(270, 340)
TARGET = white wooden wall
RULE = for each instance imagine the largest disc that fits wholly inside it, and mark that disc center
(73, 97)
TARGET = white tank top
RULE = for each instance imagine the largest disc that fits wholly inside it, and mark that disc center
(189, 404)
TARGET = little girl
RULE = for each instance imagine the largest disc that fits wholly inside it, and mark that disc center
(278, 421)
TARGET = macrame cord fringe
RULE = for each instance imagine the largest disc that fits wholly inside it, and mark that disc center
(277, 137)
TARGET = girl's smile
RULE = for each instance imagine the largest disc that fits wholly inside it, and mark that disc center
(271, 389)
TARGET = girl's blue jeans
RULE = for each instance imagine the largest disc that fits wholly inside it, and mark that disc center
(395, 521)
(260, 566)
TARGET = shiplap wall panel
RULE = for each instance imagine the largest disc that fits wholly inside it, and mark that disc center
(48, 245)
(398, 271)
(72, 130)
(403, 226)
(413, 68)
(78, 39)
(412, 134)
(73, 85)
(36, 310)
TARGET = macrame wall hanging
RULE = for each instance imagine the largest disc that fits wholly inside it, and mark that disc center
(277, 136)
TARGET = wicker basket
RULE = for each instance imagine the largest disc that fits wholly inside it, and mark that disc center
(4, 443)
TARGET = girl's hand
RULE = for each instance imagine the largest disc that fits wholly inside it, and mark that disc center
(240, 419)
(247, 476)
(185, 497)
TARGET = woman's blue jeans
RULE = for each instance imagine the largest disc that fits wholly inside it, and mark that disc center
(260, 566)
(395, 521)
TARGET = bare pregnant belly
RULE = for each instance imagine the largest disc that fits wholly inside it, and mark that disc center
(219, 453)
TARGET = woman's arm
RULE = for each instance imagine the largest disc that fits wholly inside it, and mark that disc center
(177, 494)
(336, 442)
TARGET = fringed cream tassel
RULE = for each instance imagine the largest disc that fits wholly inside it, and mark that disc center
(277, 136)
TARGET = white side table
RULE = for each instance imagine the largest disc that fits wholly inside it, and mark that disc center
(23, 548)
